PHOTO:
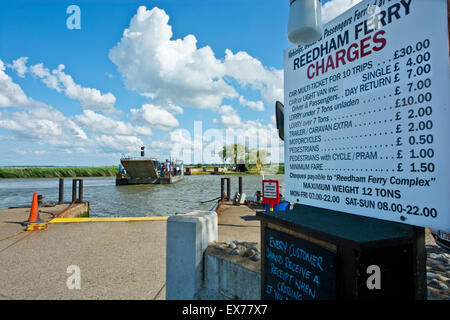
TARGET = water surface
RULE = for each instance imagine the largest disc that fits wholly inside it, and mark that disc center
(108, 200)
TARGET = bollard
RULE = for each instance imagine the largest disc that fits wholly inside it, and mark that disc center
(222, 188)
(228, 189)
(240, 185)
(258, 196)
(74, 190)
(80, 190)
(61, 191)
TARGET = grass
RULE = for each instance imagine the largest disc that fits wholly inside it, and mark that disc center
(107, 171)
(57, 172)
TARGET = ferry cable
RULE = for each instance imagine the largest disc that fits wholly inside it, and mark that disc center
(211, 200)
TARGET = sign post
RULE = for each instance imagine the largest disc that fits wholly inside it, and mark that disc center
(366, 156)
(271, 194)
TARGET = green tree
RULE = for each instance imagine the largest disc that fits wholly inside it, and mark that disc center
(237, 153)
(234, 153)
(258, 157)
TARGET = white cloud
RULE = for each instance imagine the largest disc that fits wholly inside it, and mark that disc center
(168, 70)
(19, 65)
(11, 94)
(333, 8)
(96, 122)
(111, 143)
(154, 116)
(89, 98)
(273, 119)
(39, 127)
(255, 105)
(49, 79)
(175, 72)
(193, 149)
(44, 125)
(228, 117)
(249, 71)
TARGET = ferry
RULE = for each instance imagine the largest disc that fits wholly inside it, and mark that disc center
(148, 171)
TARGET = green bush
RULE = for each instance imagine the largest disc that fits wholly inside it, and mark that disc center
(58, 172)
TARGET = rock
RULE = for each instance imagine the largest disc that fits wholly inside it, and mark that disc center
(235, 251)
(232, 245)
(442, 278)
(431, 275)
(440, 268)
(431, 262)
(433, 255)
(444, 260)
(219, 246)
(255, 257)
(249, 253)
(433, 294)
(438, 284)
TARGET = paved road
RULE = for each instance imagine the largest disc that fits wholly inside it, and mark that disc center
(117, 260)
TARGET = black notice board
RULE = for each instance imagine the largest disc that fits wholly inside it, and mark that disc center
(297, 269)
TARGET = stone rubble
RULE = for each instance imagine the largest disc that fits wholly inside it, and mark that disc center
(438, 270)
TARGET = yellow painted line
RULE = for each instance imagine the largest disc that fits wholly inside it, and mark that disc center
(112, 219)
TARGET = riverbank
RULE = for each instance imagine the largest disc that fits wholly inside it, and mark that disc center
(57, 172)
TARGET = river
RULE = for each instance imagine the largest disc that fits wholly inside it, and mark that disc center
(108, 200)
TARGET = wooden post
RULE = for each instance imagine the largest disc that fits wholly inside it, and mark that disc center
(80, 190)
(74, 190)
(61, 191)
(222, 189)
(240, 185)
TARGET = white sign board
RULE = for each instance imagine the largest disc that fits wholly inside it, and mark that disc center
(367, 114)
(270, 190)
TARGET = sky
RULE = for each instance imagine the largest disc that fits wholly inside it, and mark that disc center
(181, 77)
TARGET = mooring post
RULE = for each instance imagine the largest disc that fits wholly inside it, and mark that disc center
(228, 188)
(80, 190)
(74, 190)
(61, 191)
(240, 185)
(222, 188)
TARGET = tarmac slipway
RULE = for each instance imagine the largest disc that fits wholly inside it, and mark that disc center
(117, 259)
